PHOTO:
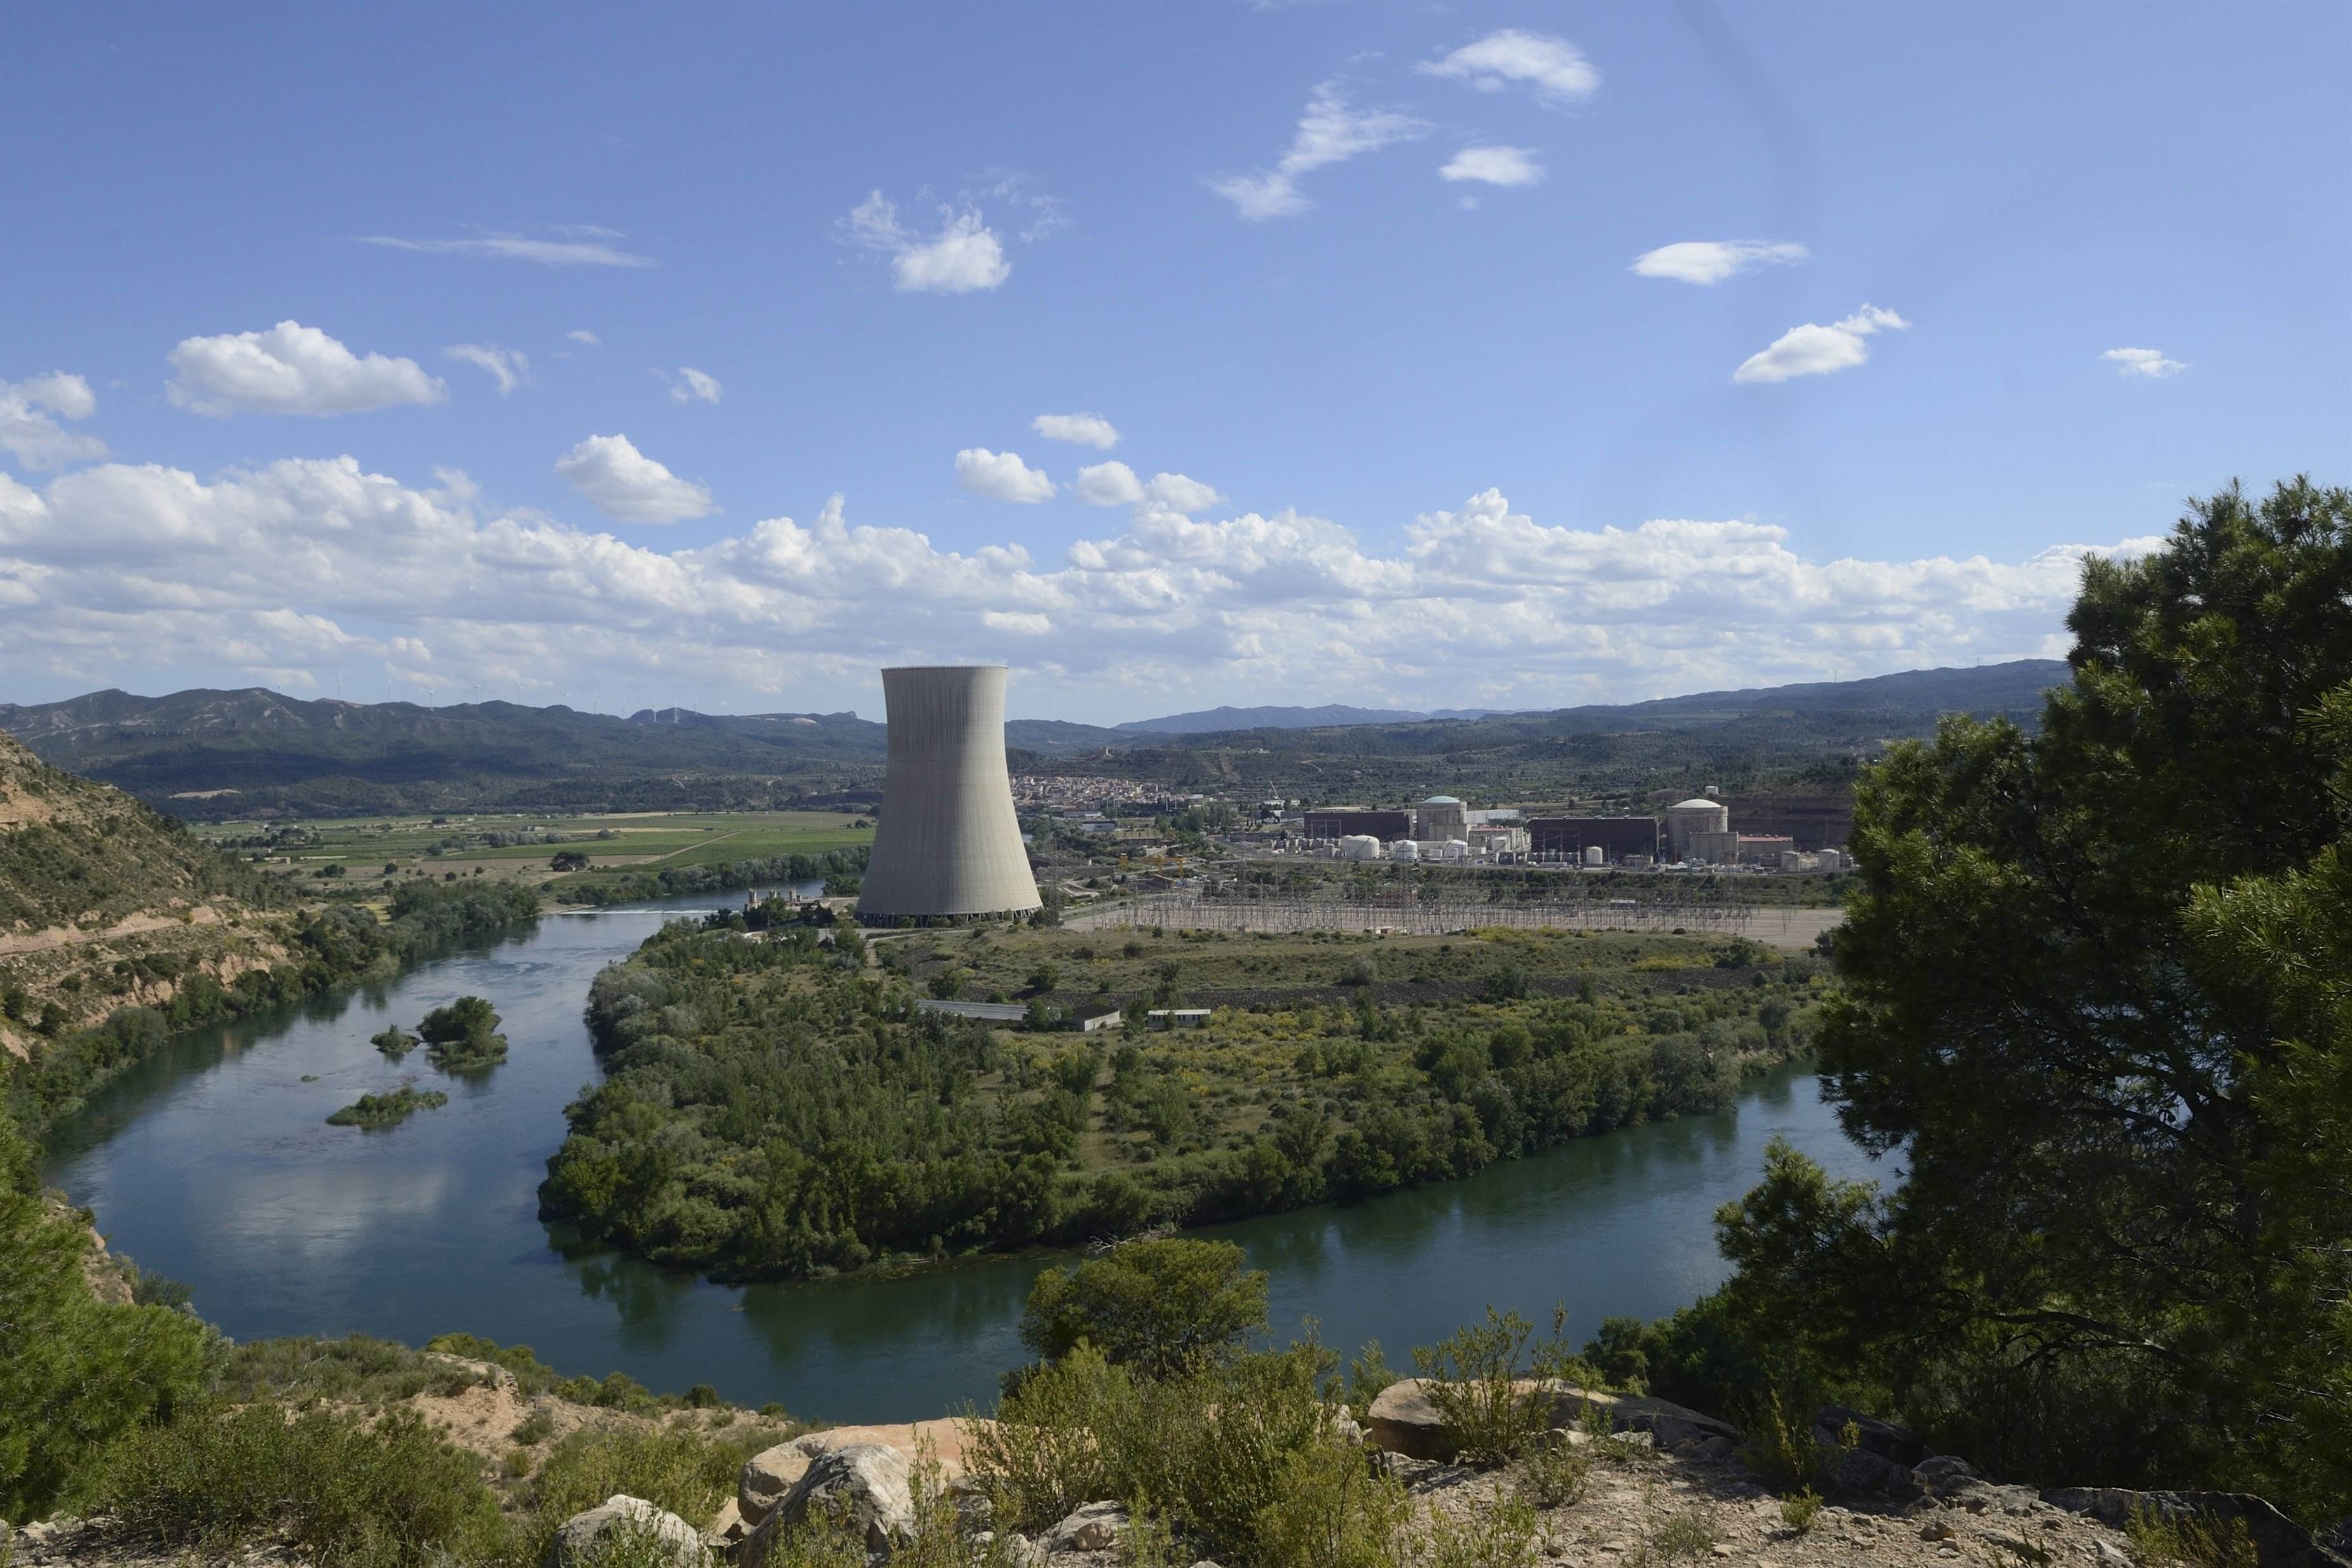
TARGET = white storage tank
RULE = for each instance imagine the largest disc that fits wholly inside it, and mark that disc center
(1593, 856)
(1359, 847)
(1404, 850)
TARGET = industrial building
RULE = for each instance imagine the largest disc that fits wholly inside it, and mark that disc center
(947, 843)
(1344, 822)
(1439, 819)
(1815, 823)
(1701, 815)
(1567, 838)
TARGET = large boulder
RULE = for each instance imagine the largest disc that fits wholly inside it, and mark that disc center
(583, 1539)
(1091, 1527)
(1404, 1418)
(1883, 1438)
(769, 1475)
(868, 1487)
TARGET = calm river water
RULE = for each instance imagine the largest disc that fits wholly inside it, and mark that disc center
(212, 1163)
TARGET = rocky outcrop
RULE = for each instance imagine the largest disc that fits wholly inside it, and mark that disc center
(1405, 1417)
(1094, 1527)
(582, 1540)
(865, 1488)
(768, 1476)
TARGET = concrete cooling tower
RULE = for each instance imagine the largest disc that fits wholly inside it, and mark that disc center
(948, 843)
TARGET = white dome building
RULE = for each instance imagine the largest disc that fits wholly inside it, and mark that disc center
(1439, 819)
(1699, 814)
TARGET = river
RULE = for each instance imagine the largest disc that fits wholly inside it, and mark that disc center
(212, 1163)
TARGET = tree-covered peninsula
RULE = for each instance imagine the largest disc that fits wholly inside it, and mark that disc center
(773, 1108)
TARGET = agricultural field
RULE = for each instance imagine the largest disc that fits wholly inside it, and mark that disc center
(525, 845)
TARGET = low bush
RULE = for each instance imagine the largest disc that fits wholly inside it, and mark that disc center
(342, 1491)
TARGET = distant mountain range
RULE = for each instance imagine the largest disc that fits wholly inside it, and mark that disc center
(231, 753)
(1331, 716)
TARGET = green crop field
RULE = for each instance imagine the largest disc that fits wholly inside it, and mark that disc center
(524, 844)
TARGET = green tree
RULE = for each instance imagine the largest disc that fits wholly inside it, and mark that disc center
(1157, 1305)
(75, 1373)
(469, 1019)
(2094, 995)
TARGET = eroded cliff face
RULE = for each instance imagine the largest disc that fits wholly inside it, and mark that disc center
(104, 903)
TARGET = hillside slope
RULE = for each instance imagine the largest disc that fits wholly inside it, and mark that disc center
(106, 904)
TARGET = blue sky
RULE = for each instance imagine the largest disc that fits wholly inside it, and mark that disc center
(1427, 441)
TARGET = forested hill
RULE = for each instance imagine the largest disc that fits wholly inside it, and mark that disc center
(76, 855)
(215, 754)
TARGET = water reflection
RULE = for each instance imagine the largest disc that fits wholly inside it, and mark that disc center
(212, 1163)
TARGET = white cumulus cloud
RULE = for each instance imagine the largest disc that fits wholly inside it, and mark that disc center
(695, 386)
(1710, 261)
(1111, 484)
(1815, 350)
(1330, 131)
(582, 335)
(142, 574)
(1494, 166)
(1556, 68)
(628, 487)
(1175, 493)
(1002, 474)
(1079, 429)
(508, 367)
(29, 412)
(2149, 363)
(965, 255)
(292, 369)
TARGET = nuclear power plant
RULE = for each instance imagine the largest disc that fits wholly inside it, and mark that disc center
(947, 843)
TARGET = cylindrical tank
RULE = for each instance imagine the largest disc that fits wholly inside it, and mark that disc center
(1697, 815)
(1440, 818)
(1404, 850)
(948, 842)
(1593, 856)
(1359, 847)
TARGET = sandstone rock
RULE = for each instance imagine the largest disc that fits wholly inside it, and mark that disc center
(581, 1540)
(769, 1475)
(866, 1486)
(1092, 1527)
(1883, 1438)
(1404, 1418)
(727, 1528)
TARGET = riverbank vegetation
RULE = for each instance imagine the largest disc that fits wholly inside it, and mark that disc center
(769, 1109)
(388, 1110)
(2098, 989)
(316, 949)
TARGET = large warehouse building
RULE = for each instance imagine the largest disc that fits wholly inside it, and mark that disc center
(1567, 837)
(948, 843)
(1343, 822)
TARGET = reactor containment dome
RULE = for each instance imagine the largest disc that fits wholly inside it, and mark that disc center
(947, 843)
